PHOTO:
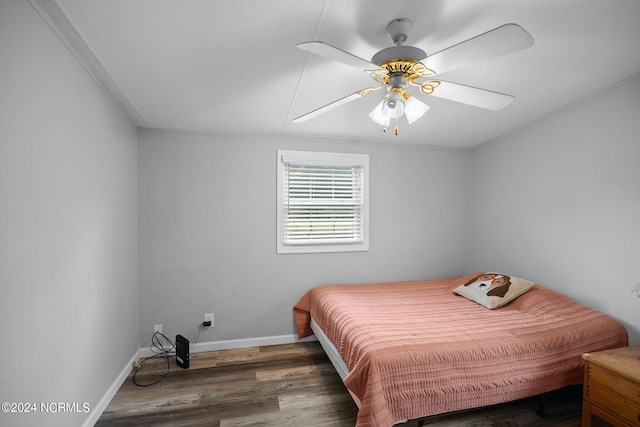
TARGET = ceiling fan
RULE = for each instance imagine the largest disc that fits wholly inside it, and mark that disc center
(398, 67)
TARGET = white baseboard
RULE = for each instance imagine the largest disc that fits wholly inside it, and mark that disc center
(239, 343)
(97, 411)
(243, 343)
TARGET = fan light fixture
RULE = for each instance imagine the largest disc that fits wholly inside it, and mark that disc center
(398, 67)
(397, 103)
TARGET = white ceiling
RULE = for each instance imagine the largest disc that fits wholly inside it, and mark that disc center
(232, 66)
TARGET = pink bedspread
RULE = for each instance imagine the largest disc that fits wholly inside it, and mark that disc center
(415, 349)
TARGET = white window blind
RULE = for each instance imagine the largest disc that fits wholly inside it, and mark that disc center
(322, 201)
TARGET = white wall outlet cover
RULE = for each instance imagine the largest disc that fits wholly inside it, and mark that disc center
(636, 290)
(208, 317)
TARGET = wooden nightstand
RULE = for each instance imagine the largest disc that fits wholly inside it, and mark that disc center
(612, 388)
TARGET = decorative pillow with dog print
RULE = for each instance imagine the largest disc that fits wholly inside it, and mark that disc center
(493, 290)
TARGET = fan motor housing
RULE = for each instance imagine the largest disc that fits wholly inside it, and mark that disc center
(398, 53)
(398, 31)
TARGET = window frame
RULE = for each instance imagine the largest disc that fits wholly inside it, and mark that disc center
(322, 159)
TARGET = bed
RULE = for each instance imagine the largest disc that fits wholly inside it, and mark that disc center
(407, 350)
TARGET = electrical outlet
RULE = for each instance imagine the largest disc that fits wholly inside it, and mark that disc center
(157, 328)
(208, 317)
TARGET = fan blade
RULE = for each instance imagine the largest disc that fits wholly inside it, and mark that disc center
(499, 41)
(331, 52)
(335, 104)
(467, 95)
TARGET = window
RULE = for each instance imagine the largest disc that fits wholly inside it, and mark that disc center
(322, 202)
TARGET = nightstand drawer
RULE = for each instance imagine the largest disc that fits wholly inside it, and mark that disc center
(614, 404)
(613, 393)
(620, 386)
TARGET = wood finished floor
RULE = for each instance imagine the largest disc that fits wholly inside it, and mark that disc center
(289, 385)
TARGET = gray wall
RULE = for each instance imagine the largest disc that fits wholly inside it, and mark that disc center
(208, 230)
(559, 202)
(68, 227)
(556, 202)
